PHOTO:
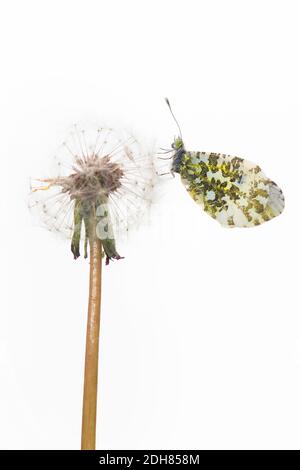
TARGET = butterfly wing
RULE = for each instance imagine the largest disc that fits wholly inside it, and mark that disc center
(232, 190)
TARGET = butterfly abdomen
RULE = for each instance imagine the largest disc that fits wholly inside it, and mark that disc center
(232, 190)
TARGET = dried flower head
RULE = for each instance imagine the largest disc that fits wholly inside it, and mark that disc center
(102, 177)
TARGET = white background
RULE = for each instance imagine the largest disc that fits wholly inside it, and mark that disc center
(200, 329)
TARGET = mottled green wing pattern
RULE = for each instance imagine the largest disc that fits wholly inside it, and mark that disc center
(232, 190)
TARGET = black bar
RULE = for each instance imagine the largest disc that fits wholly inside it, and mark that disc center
(133, 459)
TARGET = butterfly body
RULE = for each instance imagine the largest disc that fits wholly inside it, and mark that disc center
(232, 190)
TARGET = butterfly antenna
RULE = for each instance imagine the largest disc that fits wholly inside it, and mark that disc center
(169, 106)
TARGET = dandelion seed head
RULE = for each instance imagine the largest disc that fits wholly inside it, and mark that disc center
(96, 163)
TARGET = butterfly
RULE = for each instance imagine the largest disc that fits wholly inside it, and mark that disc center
(232, 190)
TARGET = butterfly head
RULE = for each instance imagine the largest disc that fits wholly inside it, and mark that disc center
(178, 143)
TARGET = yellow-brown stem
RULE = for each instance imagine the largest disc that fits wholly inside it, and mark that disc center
(89, 409)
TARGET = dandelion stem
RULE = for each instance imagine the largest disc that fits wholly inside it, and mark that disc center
(89, 409)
